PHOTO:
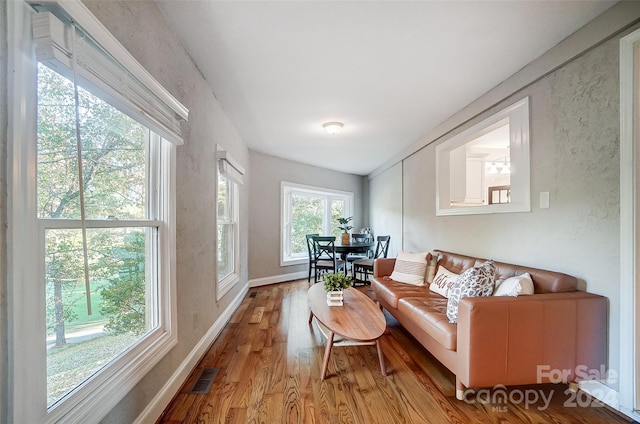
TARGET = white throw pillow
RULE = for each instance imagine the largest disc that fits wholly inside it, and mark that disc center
(443, 281)
(513, 286)
(410, 268)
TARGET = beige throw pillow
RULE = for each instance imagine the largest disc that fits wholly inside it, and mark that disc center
(410, 268)
(443, 281)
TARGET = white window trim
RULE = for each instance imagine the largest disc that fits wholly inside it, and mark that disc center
(518, 115)
(285, 190)
(230, 280)
(92, 400)
(234, 173)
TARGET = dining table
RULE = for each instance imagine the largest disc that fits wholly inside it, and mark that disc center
(353, 247)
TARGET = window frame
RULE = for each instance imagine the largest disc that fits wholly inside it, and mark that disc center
(518, 116)
(226, 283)
(94, 398)
(286, 189)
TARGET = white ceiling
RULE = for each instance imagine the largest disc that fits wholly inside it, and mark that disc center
(389, 70)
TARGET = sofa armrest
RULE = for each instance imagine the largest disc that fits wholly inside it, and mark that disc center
(383, 267)
(512, 341)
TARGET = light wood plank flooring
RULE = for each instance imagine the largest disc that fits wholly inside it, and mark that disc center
(270, 359)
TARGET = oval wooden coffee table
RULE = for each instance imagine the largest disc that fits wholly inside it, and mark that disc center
(358, 322)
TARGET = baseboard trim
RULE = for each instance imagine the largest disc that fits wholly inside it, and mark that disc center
(155, 408)
(265, 281)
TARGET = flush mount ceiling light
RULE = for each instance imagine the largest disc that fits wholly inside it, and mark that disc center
(333, 127)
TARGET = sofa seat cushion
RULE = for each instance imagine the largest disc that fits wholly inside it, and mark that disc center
(390, 291)
(430, 314)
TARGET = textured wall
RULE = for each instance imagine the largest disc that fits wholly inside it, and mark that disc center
(385, 210)
(574, 156)
(264, 215)
(142, 29)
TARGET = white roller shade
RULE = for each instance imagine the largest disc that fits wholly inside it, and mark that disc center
(229, 167)
(99, 72)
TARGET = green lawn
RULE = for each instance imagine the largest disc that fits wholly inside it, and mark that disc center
(79, 306)
(70, 365)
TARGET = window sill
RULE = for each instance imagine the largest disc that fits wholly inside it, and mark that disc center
(485, 209)
(297, 261)
(226, 284)
(107, 388)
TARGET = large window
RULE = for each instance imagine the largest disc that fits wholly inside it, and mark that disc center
(230, 176)
(92, 221)
(309, 210)
(96, 217)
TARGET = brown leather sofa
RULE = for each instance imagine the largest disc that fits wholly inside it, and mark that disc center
(527, 339)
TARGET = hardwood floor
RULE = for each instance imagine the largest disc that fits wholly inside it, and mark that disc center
(270, 359)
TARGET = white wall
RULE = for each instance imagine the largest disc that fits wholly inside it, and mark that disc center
(574, 156)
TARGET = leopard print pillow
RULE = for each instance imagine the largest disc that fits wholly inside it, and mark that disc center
(473, 282)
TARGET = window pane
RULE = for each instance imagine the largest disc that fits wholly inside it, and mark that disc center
(114, 151)
(224, 199)
(310, 211)
(306, 218)
(337, 211)
(226, 227)
(120, 265)
(225, 250)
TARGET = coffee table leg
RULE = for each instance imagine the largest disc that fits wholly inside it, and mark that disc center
(383, 369)
(327, 353)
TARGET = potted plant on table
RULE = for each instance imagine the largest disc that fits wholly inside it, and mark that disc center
(346, 237)
(334, 284)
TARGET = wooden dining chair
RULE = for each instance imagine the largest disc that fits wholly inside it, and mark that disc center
(358, 238)
(325, 257)
(310, 250)
(361, 238)
(365, 266)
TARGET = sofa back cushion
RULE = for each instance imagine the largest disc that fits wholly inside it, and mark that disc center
(543, 281)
